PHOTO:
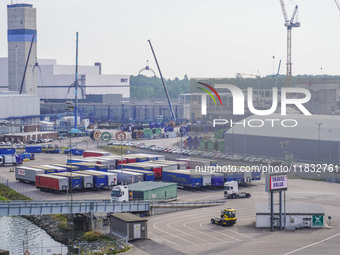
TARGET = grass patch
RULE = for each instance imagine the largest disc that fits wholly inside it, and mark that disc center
(9, 194)
(62, 218)
(95, 235)
(118, 150)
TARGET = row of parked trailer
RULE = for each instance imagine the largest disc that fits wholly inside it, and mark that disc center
(107, 171)
(63, 177)
(154, 167)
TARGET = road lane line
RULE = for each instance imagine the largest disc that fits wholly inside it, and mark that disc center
(168, 225)
(167, 240)
(201, 232)
(307, 246)
(220, 233)
(154, 225)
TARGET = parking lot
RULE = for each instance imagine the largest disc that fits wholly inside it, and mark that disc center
(190, 232)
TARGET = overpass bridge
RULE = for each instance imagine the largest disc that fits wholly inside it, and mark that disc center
(20, 208)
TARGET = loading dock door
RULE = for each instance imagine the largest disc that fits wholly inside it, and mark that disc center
(136, 231)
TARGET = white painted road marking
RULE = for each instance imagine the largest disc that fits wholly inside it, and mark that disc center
(307, 246)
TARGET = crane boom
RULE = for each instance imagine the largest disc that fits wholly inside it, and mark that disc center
(76, 86)
(285, 16)
(28, 58)
(337, 4)
(289, 24)
(293, 15)
(166, 90)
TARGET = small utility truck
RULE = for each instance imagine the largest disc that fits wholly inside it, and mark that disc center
(228, 218)
(231, 191)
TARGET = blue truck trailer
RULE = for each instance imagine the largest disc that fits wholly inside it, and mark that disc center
(48, 170)
(136, 166)
(69, 168)
(182, 178)
(76, 160)
(256, 175)
(99, 179)
(75, 181)
(217, 179)
(86, 180)
(111, 177)
(228, 177)
(57, 169)
(7, 151)
(83, 165)
(33, 148)
(147, 175)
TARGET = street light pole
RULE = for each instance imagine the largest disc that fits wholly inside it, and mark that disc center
(319, 129)
(330, 145)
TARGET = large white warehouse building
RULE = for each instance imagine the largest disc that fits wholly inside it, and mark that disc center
(54, 81)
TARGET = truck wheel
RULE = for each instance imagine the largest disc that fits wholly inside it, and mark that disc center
(212, 221)
(248, 195)
(233, 196)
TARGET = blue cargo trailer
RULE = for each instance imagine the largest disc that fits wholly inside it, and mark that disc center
(69, 161)
(57, 169)
(182, 178)
(238, 176)
(99, 179)
(86, 180)
(48, 170)
(147, 175)
(135, 166)
(83, 165)
(111, 177)
(69, 168)
(75, 181)
(228, 177)
(33, 148)
(6, 151)
(217, 179)
(256, 175)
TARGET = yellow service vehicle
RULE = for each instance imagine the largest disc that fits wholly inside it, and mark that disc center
(228, 218)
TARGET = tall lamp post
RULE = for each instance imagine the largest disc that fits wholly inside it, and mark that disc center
(330, 145)
(70, 108)
(319, 129)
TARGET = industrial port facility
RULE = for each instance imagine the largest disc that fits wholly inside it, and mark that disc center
(167, 166)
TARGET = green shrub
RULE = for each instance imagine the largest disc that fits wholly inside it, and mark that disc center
(92, 236)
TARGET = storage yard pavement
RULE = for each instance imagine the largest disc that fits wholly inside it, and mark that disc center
(190, 231)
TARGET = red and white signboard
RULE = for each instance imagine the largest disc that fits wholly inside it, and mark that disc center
(278, 182)
(21, 172)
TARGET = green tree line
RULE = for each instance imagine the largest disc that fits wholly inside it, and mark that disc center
(151, 87)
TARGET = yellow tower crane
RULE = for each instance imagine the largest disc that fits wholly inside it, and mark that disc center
(289, 24)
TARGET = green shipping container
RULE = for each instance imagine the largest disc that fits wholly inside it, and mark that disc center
(210, 145)
(153, 190)
(221, 146)
(202, 145)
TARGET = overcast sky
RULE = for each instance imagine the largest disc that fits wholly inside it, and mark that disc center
(200, 38)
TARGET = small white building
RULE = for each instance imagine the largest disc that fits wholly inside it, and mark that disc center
(298, 215)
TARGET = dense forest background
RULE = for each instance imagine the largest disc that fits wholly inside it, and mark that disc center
(151, 87)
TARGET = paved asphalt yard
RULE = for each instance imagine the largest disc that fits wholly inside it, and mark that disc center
(190, 231)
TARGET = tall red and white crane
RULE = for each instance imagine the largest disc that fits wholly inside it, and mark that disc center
(289, 23)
